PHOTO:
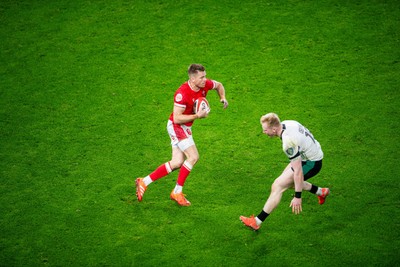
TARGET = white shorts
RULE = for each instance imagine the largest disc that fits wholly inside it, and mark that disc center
(181, 135)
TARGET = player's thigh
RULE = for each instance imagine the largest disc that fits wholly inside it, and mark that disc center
(191, 152)
(178, 157)
(285, 180)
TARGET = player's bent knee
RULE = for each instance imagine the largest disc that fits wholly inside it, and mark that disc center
(193, 160)
(277, 187)
(175, 164)
(274, 187)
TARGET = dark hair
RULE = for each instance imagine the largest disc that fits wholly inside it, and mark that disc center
(194, 68)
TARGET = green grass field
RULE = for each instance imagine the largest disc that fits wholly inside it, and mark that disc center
(86, 88)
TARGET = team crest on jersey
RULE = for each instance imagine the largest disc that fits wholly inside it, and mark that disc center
(290, 151)
(178, 97)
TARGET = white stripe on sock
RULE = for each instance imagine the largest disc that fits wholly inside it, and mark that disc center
(168, 167)
(187, 165)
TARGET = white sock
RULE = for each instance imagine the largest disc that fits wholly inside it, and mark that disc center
(147, 180)
(258, 221)
(178, 189)
(319, 191)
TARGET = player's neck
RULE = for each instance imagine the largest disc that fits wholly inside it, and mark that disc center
(279, 131)
(193, 87)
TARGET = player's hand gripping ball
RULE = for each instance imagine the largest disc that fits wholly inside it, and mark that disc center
(201, 103)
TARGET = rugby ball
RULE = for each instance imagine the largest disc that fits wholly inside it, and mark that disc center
(201, 103)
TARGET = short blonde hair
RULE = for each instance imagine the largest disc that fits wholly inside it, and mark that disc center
(271, 119)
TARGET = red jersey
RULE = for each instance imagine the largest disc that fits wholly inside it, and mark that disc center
(184, 97)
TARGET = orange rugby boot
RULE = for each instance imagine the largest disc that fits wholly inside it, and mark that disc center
(250, 222)
(325, 193)
(180, 198)
(140, 188)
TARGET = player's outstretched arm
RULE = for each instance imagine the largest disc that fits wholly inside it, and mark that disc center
(221, 92)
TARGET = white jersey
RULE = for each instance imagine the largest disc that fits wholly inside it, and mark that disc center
(297, 141)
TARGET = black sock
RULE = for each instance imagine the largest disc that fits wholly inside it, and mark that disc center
(314, 189)
(262, 216)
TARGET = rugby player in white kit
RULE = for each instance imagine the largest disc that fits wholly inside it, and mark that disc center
(305, 155)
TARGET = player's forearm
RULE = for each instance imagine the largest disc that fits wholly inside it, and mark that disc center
(298, 181)
(221, 91)
(180, 119)
(297, 174)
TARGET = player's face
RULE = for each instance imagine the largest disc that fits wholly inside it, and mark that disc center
(199, 79)
(268, 130)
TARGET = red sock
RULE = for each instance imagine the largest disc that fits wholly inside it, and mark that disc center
(184, 173)
(161, 171)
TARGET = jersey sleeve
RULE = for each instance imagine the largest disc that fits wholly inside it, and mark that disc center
(179, 99)
(290, 148)
(210, 84)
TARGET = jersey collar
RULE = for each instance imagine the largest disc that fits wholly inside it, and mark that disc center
(283, 129)
(190, 86)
